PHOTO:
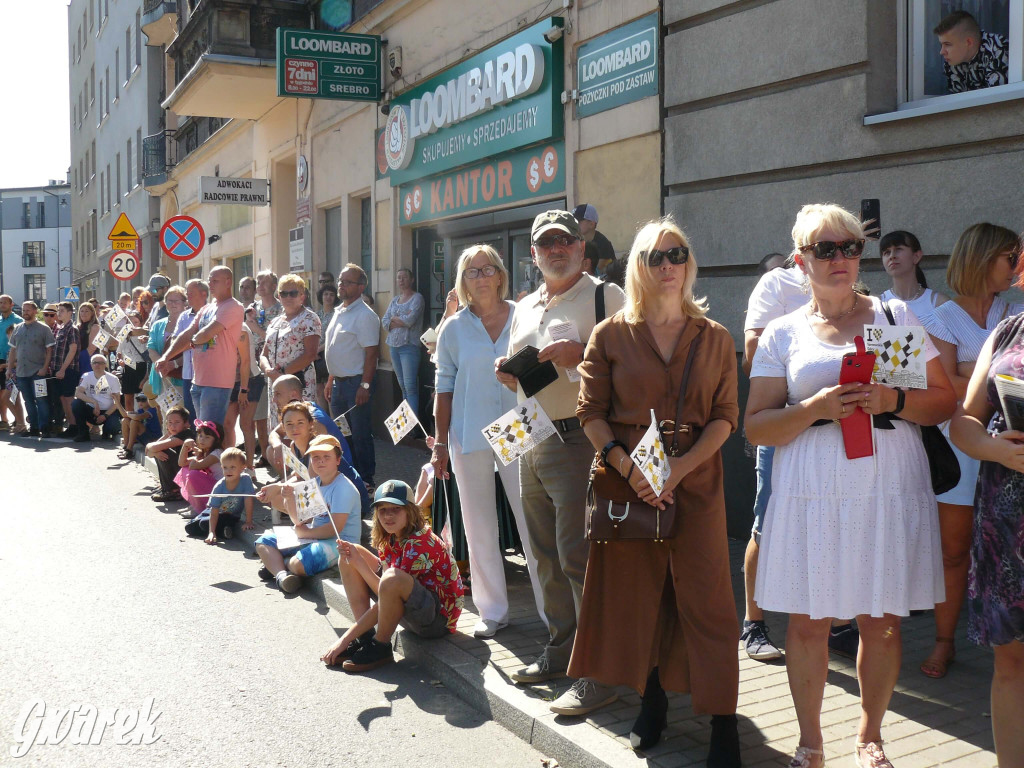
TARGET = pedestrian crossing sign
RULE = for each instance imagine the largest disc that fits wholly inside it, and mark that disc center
(70, 294)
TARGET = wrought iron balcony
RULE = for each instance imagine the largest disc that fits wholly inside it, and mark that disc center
(159, 156)
(224, 56)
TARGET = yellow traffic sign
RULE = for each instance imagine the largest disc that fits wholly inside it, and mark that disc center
(124, 245)
(123, 229)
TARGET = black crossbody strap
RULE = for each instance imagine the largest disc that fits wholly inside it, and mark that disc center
(682, 388)
(599, 304)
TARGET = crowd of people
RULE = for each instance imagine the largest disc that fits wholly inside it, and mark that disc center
(845, 547)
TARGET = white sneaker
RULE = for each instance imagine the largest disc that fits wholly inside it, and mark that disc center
(487, 627)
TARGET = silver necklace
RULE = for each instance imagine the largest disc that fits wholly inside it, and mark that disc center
(920, 290)
(840, 316)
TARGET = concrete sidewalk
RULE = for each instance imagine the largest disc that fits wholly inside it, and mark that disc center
(929, 723)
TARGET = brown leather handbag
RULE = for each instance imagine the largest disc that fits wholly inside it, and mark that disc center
(614, 511)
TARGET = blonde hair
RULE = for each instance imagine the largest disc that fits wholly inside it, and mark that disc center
(975, 250)
(640, 279)
(815, 218)
(467, 256)
(232, 454)
(414, 521)
(292, 280)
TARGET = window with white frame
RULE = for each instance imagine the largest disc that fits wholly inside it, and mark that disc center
(128, 178)
(138, 38)
(923, 76)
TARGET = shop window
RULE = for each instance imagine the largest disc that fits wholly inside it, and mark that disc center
(194, 273)
(332, 236)
(241, 267)
(33, 253)
(923, 76)
(35, 288)
(233, 216)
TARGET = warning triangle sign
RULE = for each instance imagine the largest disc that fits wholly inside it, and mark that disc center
(123, 229)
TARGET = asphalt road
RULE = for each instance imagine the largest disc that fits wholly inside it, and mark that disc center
(107, 603)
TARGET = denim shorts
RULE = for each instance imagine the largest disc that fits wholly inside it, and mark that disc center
(315, 557)
(423, 613)
(765, 459)
(255, 387)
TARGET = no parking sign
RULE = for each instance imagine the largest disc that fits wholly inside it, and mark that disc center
(182, 238)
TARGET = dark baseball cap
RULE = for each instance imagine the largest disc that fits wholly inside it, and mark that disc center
(393, 492)
(585, 211)
(563, 221)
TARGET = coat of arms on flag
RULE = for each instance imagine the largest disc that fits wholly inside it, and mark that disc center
(401, 422)
(899, 354)
(342, 423)
(309, 502)
(168, 398)
(519, 431)
(649, 457)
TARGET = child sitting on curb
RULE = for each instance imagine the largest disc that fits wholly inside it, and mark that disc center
(415, 579)
(200, 465)
(342, 499)
(166, 451)
(139, 426)
(223, 511)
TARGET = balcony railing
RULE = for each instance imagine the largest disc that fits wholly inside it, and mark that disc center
(159, 155)
(193, 133)
(245, 28)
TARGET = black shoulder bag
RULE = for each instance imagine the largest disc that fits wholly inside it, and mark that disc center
(942, 462)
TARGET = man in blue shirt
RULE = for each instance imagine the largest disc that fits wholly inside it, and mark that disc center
(8, 319)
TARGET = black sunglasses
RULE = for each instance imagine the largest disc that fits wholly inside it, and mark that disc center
(289, 294)
(678, 255)
(550, 242)
(825, 250)
(1014, 259)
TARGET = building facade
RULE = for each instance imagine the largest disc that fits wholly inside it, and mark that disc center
(478, 177)
(115, 91)
(774, 108)
(35, 241)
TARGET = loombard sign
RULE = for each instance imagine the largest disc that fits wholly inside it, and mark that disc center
(506, 97)
(328, 65)
(222, 190)
(618, 67)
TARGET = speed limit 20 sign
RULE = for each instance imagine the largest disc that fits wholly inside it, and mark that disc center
(124, 265)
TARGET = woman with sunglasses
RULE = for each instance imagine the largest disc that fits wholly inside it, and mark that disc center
(901, 258)
(88, 327)
(843, 538)
(982, 265)
(469, 398)
(674, 595)
(292, 340)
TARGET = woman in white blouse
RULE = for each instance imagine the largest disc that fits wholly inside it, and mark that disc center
(843, 537)
(982, 265)
(469, 398)
(901, 258)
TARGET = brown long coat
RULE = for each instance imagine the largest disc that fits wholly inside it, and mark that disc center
(666, 604)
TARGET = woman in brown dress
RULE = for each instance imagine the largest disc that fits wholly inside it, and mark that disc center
(660, 615)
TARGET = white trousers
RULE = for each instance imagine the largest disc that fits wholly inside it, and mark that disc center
(475, 475)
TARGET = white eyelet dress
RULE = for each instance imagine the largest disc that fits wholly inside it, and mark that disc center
(844, 537)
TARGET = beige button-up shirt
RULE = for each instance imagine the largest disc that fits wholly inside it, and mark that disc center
(534, 317)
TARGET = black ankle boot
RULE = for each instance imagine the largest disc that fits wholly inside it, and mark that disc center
(646, 731)
(724, 751)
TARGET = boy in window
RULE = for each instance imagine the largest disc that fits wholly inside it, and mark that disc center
(973, 59)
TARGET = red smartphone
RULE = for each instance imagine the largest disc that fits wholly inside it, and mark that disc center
(856, 369)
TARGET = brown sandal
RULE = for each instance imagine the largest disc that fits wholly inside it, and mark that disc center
(937, 669)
